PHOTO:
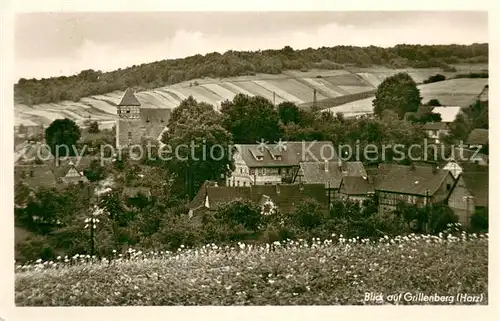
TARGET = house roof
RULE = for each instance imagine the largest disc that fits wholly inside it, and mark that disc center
(483, 96)
(477, 184)
(64, 165)
(286, 196)
(448, 113)
(129, 99)
(356, 185)
(435, 126)
(414, 180)
(292, 153)
(315, 173)
(478, 136)
(34, 175)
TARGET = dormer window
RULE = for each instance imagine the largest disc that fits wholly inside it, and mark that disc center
(128, 111)
(259, 157)
(147, 120)
(162, 121)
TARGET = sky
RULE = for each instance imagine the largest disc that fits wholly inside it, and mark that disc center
(57, 44)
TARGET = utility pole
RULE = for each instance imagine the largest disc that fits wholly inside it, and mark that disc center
(274, 98)
(467, 198)
(426, 218)
(314, 100)
(329, 197)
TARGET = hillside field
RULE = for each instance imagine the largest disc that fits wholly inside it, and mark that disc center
(295, 86)
(454, 92)
(330, 272)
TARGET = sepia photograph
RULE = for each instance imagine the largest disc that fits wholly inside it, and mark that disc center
(251, 158)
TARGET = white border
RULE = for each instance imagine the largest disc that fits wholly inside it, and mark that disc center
(9, 312)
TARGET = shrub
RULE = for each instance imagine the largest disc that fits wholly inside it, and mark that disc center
(434, 78)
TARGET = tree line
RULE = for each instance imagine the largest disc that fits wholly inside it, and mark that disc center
(237, 63)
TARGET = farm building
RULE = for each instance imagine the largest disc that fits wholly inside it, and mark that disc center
(356, 188)
(469, 194)
(275, 163)
(418, 185)
(436, 131)
(136, 122)
(330, 174)
(284, 197)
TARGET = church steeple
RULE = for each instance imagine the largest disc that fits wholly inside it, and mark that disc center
(128, 107)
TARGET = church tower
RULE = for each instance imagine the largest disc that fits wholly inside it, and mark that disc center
(128, 123)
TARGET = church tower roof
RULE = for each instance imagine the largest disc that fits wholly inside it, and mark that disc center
(129, 99)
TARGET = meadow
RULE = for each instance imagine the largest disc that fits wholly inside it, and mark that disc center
(336, 271)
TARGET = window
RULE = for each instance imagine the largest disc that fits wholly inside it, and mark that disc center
(279, 171)
(129, 135)
(128, 111)
(147, 120)
(244, 183)
(161, 121)
(448, 187)
(237, 183)
(241, 170)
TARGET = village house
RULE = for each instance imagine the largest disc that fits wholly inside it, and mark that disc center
(448, 113)
(356, 188)
(469, 194)
(418, 185)
(478, 137)
(136, 122)
(275, 163)
(74, 176)
(328, 173)
(436, 131)
(454, 168)
(284, 197)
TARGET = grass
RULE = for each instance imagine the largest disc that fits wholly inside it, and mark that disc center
(329, 272)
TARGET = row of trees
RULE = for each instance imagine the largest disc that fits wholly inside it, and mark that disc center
(236, 63)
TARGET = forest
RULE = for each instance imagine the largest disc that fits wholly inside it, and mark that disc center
(239, 63)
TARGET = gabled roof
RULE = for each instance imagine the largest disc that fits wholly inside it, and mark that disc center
(356, 185)
(315, 173)
(477, 183)
(292, 153)
(129, 99)
(286, 196)
(415, 180)
(478, 136)
(448, 113)
(435, 126)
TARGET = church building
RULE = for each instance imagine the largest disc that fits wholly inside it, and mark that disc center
(136, 122)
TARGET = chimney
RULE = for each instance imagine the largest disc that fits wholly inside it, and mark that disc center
(314, 99)
(277, 188)
(326, 165)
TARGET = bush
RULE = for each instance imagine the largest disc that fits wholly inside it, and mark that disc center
(479, 220)
(434, 78)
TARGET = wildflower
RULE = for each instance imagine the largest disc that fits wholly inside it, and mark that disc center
(271, 281)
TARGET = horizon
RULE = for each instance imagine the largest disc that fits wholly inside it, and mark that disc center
(49, 45)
